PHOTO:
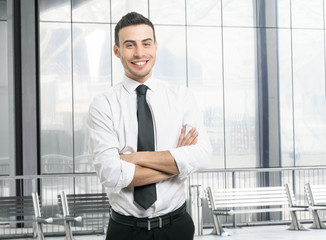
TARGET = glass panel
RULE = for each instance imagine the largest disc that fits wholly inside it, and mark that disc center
(3, 9)
(286, 96)
(239, 13)
(56, 98)
(206, 79)
(4, 102)
(283, 13)
(121, 7)
(207, 13)
(307, 14)
(274, 13)
(91, 11)
(309, 97)
(117, 69)
(92, 75)
(168, 12)
(171, 54)
(59, 10)
(241, 122)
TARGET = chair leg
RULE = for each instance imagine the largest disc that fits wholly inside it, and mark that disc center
(318, 223)
(218, 230)
(295, 225)
(40, 235)
(69, 235)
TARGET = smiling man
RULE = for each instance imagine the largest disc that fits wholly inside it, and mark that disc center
(137, 55)
(146, 138)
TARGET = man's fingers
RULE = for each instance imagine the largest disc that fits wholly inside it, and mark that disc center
(181, 137)
(189, 139)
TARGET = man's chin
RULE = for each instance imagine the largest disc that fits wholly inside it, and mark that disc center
(140, 77)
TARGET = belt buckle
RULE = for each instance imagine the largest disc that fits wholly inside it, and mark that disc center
(148, 224)
(160, 224)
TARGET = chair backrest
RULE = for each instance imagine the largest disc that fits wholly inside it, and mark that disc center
(249, 197)
(316, 194)
(79, 204)
(17, 209)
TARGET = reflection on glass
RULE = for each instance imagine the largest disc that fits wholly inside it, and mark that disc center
(4, 102)
(117, 69)
(239, 13)
(307, 14)
(309, 97)
(283, 13)
(91, 11)
(171, 12)
(171, 55)
(3, 9)
(91, 75)
(121, 7)
(50, 189)
(205, 78)
(274, 13)
(59, 10)
(241, 123)
(56, 98)
(206, 13)
(285, 97)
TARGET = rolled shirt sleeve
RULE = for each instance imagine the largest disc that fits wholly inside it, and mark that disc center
(193, 157)
(114, 173)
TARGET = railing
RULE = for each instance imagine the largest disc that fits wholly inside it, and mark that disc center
(50, 186)
(245, 178)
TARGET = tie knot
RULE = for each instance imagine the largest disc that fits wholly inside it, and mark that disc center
(141, 89)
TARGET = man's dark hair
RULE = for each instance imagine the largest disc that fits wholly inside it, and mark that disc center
(130, 19)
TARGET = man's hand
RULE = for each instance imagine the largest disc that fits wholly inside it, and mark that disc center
(189, 139)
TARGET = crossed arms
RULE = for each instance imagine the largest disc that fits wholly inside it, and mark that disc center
(153, 167)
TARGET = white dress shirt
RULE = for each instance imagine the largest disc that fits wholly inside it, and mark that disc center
(113, 130)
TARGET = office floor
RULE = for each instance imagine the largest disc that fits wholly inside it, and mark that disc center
(278, 232)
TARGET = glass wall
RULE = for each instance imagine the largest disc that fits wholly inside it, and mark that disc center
(4, 92)
(223, 49)
(75, 56)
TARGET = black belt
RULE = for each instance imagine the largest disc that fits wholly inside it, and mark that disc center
(149, 223)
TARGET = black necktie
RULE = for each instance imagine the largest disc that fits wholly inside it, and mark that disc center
(145, 196)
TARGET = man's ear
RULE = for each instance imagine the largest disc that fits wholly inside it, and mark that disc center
(116, 51)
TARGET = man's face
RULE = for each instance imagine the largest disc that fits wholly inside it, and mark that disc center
(137, 51)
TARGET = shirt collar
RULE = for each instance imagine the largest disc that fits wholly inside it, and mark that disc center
(130, 85)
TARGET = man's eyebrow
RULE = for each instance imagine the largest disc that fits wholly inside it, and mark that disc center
(147, 39)
(133, 41)
(128, 41)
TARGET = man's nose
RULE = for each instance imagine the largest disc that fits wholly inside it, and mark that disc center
(139, 51)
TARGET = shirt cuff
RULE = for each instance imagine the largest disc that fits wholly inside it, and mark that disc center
(126, 176)
(180, 156)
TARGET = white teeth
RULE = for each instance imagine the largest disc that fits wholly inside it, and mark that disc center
(139, 63)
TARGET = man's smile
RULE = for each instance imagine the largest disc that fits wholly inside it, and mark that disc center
(139, 63)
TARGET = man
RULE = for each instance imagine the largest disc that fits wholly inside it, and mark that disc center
(147, 138)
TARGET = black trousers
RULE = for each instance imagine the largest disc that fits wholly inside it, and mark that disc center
(181, 229)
